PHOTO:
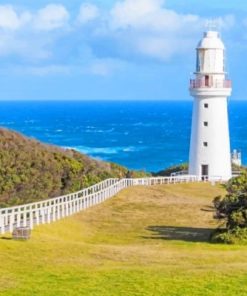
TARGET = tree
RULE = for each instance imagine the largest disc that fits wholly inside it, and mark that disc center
(232, 208)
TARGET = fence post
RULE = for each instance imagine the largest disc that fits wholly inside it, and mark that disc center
(31, 218)
(2, 228)
(25, 217)
(37, 216)
(18, 217)
(48, 214)
(42, 212)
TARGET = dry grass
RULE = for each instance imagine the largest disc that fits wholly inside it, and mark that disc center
(145, 241)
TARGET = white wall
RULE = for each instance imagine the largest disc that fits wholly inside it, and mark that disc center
(217, 155)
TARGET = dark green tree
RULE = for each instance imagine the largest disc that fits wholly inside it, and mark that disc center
(233, 207)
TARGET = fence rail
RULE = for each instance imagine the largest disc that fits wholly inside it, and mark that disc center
(47, 211)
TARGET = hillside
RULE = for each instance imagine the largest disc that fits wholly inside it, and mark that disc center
(32, 171)
(145, 241)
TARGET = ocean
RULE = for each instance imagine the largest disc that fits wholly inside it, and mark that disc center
(147, 135)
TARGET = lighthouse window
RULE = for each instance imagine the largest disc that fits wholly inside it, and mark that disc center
(205, 123)
(205, 144)
(206, 105)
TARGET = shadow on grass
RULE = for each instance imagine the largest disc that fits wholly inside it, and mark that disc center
(207, 208)
(188, 234)
(6, 238)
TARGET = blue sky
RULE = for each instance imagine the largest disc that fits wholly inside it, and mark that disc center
(113, 50)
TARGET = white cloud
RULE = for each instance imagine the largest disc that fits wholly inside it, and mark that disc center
(51, 17)
(88, 12)
(158, 32)
(14, 45)
(150, 15)
(29, 35)
(131, 30)
(134, 13)
(9, 18)
(153, 30)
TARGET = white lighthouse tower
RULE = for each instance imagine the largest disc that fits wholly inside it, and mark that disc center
(210, 155)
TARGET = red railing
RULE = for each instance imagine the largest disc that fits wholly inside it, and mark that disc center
(203, 83)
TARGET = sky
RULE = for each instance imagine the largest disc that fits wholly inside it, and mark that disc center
(113, 49)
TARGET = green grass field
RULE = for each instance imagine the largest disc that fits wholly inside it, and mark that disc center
(145, 241)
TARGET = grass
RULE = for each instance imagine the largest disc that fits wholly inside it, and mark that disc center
(146, 241)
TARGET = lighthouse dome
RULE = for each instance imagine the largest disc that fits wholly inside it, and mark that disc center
(211, 40)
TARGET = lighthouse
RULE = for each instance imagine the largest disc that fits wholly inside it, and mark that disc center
(210, 156)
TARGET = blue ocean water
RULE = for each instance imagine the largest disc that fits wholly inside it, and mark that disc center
(149, 135)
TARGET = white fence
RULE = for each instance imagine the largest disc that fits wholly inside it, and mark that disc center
(50, 210)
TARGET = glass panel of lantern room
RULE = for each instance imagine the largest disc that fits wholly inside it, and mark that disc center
(201, 60)
(197, 62)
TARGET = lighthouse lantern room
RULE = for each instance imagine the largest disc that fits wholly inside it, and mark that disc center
(210, 155)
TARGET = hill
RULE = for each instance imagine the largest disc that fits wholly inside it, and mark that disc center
(145, 241)
(32, 171)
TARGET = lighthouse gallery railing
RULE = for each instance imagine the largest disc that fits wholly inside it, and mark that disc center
(203, 83)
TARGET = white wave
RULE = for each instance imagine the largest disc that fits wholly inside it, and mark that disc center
(140, 123)
(97, 150)
(94, 151)
(29, 121)
(94, 130)
(130, 149)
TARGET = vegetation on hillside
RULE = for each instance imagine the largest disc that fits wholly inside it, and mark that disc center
(232, 210)
(32, 171)
(173, 169)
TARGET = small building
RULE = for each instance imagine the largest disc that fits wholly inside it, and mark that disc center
(236, 158)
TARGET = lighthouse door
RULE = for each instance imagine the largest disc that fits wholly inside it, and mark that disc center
(204, 171)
